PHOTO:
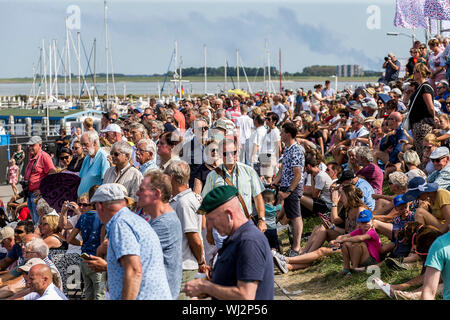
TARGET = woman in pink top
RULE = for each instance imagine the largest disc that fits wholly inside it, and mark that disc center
(13, 175)
(360, 248)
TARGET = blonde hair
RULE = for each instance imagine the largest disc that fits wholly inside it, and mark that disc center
(88, 123)
(411, 157)
(422, 69)
(53, 222)
(377, 123)
(444, 116)
(432, 139)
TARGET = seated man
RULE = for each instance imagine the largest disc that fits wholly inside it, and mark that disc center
(398, 184)
(392, 142)
(40, 282)
(318, 198)
(348, 177)
(440, 158)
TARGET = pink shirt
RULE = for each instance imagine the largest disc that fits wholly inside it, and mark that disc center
(43, 166)
(373, 244)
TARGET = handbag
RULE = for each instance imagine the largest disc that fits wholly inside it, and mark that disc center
(241, 200)
(405, 123)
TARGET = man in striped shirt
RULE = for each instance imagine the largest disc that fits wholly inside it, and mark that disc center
(235, 110)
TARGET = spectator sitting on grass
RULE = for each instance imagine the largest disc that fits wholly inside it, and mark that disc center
(398, 184)
(360, 248)
(342, 222)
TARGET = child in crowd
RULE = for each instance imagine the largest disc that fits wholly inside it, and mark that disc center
(13, 175)
(443, 132)
(271, 211)
(360, 248)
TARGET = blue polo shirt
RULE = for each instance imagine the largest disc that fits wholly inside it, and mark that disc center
(367, 191)
(129, 234)
(246, 256)
(90, 227)
(91, 173)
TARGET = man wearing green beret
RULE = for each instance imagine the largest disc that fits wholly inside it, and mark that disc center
(244, 267)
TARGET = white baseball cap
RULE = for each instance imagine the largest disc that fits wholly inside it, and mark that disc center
(112, 128)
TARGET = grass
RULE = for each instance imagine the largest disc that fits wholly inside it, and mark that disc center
(322, 281)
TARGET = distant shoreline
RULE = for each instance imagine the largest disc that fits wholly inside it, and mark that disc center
(318, 79)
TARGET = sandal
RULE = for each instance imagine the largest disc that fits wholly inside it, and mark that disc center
(345, 272)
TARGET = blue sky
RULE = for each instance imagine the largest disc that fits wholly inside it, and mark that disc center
(142, 33)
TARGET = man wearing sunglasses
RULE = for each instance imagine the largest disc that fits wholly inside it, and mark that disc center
(12, 239)
(440, 158)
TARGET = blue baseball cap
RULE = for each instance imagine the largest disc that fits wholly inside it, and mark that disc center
(364, 216)
(398, 200)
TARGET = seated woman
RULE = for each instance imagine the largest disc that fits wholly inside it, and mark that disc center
(421, 243)
(412, 162)
(430, 143)
(439, 213)
(398, 184)
(51, 233)
(350, 198)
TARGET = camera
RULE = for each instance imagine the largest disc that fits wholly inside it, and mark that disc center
(24, 184)
(387, 58)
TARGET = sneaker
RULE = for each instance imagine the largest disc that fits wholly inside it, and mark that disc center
(385, 287)
(281, 264)
(278, 255)
(292, 253)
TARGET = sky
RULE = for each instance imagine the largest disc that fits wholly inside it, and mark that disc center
(142, 33)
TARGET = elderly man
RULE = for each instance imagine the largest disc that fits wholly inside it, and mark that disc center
(113, 133)
(145, 155)
(138, 132)
(40, 280)
(38, 168)
(135, 259)
(168, 148)
(123, 172)
(244, 268)
(392, 66)
(95, 163)
(440, 158)
(185, 203)
(242, 176)
(370, 171)
(154, 195)
(157, 129)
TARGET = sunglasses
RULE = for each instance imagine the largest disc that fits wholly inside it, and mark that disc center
(427, 147)
(214, 150)
(80, 204)
(64, 158)
(115, 154)
(234, 152)
(19, 231)
(141, 151)
(437, 160)
(146, 115)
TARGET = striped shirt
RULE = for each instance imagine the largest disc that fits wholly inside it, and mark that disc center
(244, 178)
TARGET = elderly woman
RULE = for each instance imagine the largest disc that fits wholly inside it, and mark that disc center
(429, 144)
(421, 116)
(123, 172)
(398, 184)
(412, 162)
(370, 171)
(435, 63)
(438, 214)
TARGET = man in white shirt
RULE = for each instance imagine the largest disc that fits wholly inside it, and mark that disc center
(245, 125)
(271, 147)
(255, 142)
(40, 281)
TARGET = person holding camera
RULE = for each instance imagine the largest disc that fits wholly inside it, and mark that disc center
(392, 66)
(39, 166)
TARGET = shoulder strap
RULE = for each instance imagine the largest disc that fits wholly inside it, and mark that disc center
(117, 179)
(34, 166)
(241, 200)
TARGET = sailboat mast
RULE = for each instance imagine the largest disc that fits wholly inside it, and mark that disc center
(237, 67)
(206, 89)
(56, 69)
(107, 56)
(281, 87)
(79, 65)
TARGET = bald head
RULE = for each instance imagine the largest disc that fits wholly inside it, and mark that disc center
(41, 270)
(394, 120)
(30, 237)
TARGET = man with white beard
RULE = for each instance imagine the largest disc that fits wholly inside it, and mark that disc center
(95, 163)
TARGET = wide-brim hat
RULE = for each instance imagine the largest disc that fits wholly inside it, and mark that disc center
(416, 187)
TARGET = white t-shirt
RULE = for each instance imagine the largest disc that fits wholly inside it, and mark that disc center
(306, 105)
(280, 110)
(51, 293)
(270, 141)
(245, 124)
(323, 182)
(360, 133)
(256, 138)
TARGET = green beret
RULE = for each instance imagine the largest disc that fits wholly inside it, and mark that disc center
(217, 197)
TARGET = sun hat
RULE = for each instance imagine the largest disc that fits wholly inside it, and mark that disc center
(417, 186)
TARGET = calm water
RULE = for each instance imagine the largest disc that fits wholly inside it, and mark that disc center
(151, 88)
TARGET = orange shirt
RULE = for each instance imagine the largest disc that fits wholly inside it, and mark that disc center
(43, 165)
(179, 116)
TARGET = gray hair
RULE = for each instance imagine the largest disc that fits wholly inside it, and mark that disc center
(43, 206)
(399, 178)
(411, 157)
(180, 171)
(364, 153)
(359, 119)
(139, 126)
(150, 145)
(92, 137)
(220, 112)
(159, 125)
(39, 246)
(123, 147)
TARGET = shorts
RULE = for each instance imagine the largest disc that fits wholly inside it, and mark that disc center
(272, 237)
(268, 164)
(291, 204)
(369, 262)
(320, 206)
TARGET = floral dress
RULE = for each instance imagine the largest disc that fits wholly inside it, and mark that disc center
(13, 174)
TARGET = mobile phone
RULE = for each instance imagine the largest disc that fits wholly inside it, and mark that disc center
(85, 256)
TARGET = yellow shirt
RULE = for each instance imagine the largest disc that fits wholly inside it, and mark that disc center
(442, 198)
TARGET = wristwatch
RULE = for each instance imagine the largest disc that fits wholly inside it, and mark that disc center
(334, 205)
(333, 226)
(262, 218)
(289, 190)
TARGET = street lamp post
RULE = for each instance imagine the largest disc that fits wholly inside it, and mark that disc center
(335, 82)
(413, 36)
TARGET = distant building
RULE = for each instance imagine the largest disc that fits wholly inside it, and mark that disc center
(349, 70)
